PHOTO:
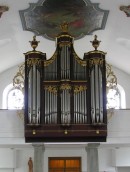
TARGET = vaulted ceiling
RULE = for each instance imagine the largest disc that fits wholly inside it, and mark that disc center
(115, 37)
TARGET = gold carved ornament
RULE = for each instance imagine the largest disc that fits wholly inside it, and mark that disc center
(62, 44)
(79, 88)
(65, 87)
(96, 61)
(80, 61)
(34, 61)
(110, 77)
(18, 80)
(64, 27)
(52, 89)
(18, 83)
(49, 61)
(95, 42)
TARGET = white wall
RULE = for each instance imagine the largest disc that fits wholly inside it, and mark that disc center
(122, 156)
(7, 158)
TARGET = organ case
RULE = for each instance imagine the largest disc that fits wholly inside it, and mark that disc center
(65, 96)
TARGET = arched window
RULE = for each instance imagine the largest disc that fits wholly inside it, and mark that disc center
(116, 98)
(13, 98)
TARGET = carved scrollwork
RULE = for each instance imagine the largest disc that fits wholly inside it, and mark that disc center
(80, 61)
(18, 80)
(65, 87)
(78, 88)
(52, 89)
(34, 61)
(111, 77)
(48, 62)
(96, 61)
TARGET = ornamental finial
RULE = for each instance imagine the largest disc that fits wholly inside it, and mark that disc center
(95, 42)
(34, 43)
(64, 27)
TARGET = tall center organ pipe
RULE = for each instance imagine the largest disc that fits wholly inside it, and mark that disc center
(34, 94)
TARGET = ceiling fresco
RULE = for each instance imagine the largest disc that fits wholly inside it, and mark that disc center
(44, 17)
(3, 9)
(126, 10)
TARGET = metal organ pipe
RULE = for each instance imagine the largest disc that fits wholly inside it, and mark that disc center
(80, 107)
(65, 63)
(34, 95)
(96, 93)
(65, 107)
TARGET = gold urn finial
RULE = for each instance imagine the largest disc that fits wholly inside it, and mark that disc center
(34, 43)
(64, 27)
(95, 42)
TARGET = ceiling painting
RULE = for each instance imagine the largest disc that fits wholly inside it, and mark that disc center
(3, 9)
(44, 17)
(126, 10)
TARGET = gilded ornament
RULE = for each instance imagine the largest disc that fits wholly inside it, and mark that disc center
(52, 89)
(34, 43)
(65, 44)
(79, 88)
(65, 87)
(80, 61)
(96, 61)
(48, 62)
(34, 61)
(64, 27)
(18, 80)
(95, 42)
(111, 77)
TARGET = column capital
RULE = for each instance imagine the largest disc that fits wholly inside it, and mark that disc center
(92, 146)
(39, 146)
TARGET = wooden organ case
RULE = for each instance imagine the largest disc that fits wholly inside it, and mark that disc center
(65, 96)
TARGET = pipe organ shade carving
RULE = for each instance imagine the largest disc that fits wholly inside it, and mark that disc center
(65, 96)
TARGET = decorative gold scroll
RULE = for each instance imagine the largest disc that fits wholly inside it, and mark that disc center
(62, 44)
(34, 61)
(64, 26)
(52, 89)
(80, 61)
(110, 77)
(65, 87)
(96, 61)
(79, 88)
(18, 80)
(48, 62)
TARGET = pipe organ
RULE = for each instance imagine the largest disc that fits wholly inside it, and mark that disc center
(65, 96)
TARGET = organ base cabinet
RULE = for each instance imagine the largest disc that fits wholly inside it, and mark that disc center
(65, 96)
